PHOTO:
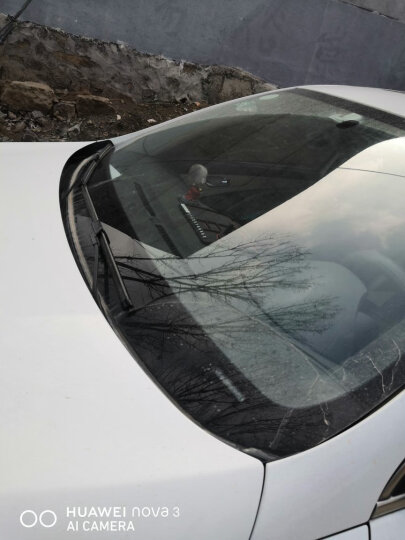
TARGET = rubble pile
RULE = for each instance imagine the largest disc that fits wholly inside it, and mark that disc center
(35, 112)
(58, 86)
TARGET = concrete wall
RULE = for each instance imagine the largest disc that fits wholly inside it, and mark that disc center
(390, 8)
(286, 42)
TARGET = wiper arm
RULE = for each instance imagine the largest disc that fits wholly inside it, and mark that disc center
(91, 162)
(101, 237)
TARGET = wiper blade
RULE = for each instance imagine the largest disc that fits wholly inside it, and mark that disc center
(101, 240)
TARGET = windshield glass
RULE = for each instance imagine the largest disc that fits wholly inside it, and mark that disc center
(268, 283)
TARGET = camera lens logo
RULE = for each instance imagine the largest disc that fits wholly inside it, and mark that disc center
(47, 519)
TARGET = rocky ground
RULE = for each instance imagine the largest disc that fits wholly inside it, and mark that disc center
(34, 112)
(56, 86)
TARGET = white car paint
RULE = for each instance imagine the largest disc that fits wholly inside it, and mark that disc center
(81, 423)
(385, 100)
(335, 485)
(359, 533)
(390, 527)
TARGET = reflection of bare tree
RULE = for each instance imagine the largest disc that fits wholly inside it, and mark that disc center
(241, 277)
(189, 312)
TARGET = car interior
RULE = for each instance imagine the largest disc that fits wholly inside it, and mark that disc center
(249, 166)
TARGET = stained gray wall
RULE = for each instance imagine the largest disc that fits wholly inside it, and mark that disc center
(287, 42)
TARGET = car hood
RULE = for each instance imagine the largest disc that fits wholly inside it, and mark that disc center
(81, 423)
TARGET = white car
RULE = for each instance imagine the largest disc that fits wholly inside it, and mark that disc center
(203, 326)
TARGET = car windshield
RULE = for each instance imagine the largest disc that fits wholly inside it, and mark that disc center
(267, 279)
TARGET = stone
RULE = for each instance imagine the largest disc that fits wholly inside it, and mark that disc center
(89, 105)
(62, 132)
(213, 84)
(64, 110)
(19, 126)
(74, 130)
(37, 114)
(27, 96)
(44, 122)
(29, 136)
(148, 95)
(233, 88)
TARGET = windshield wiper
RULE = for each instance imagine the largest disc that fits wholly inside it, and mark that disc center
(101, 240)
(90, 162)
